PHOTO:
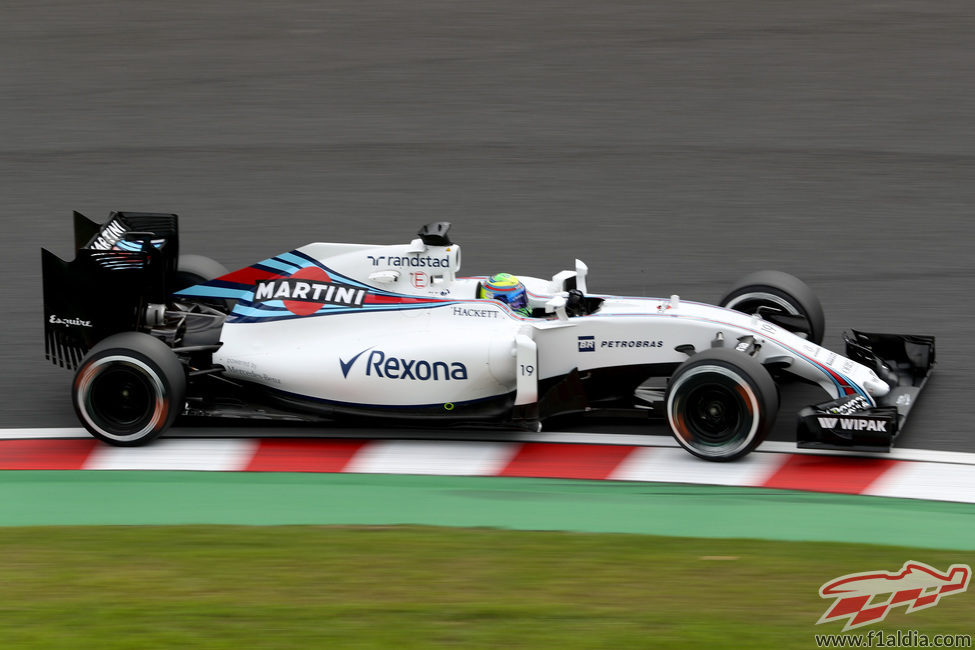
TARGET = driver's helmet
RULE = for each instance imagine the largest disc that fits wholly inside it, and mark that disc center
(508, 289)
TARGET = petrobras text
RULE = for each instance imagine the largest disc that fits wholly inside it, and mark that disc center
(631, 344)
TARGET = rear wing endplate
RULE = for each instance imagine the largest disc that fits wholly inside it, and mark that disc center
(119, 267)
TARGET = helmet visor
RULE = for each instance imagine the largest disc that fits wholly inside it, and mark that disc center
(516, 298)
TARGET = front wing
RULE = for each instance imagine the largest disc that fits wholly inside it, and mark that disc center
(851, 423)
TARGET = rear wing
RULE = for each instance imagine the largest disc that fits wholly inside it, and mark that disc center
(120, 267)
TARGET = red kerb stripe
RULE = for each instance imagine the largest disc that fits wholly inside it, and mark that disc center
(828, 473)
(46, 453)
(554, 460)
(303, 455)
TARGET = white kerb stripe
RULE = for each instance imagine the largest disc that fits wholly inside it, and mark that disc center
(50, 432)
(935, 481)
(215, 455)
(770, 446)
(456, 458)
(678, 466)
(928, 455)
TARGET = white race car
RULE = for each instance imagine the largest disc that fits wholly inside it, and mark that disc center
(331, 331)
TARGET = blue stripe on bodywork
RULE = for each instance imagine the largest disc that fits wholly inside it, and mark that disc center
(299, 260)
(276, 265)
(204, 291)
(242, 314)
(260, 314)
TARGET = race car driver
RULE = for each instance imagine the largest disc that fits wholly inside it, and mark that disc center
(507, 289)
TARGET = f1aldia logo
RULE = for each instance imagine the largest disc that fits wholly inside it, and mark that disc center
(865, 598)
(379, 365)
(308, 290)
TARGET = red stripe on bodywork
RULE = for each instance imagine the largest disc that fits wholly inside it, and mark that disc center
(376, 299)
(554, 460)
(828, 474)
(249, 276)
(303, 455)
(46, 454)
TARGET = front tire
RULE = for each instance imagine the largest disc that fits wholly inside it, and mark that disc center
(721, 404)
(129, 389)
(788, 301)
(197, 269)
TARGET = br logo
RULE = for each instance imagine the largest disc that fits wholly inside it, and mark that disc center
(865, 598)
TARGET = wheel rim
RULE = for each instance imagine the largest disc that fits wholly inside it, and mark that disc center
(752, 303)
(121, 398)
(714, 414)
(713, 411)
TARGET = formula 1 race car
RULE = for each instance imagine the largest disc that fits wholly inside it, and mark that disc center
(331, 331)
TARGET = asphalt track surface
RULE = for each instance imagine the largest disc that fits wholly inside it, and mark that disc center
(672, 146)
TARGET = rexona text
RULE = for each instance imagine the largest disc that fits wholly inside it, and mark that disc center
(397, 368)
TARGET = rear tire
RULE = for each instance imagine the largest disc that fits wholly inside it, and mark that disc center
(197, 269)
(721, 404)
(785, 294)
(129, 389)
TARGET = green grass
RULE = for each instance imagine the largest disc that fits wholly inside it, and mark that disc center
(408, 587)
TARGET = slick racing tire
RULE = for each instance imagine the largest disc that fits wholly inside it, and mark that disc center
(197, 269)
(788, 301)
(721, 404)
(129, 389)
